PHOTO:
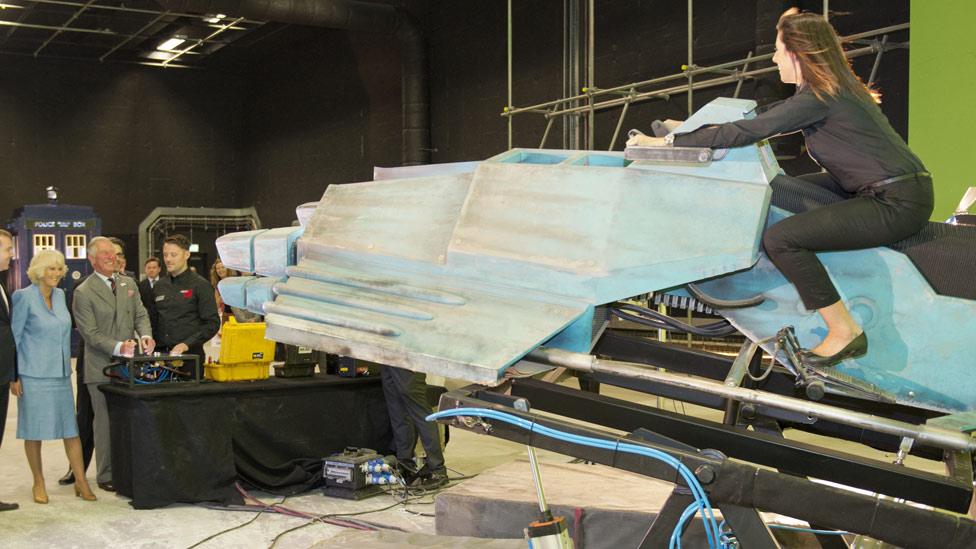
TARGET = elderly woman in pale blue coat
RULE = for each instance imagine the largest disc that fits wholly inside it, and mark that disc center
(45, 405)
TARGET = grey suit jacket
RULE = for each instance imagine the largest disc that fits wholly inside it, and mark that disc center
(104, 319)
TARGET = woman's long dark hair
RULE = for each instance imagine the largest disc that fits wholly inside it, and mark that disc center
(823, 65)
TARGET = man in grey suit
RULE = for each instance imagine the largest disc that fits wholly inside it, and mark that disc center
(108, 312)
(8, 351)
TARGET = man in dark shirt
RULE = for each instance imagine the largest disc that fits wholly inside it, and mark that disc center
(185, 307)
(8, 352)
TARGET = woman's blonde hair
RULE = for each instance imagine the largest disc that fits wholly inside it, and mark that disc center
(823, 65)
(41, 261)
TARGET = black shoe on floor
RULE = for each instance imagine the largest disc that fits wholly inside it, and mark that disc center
(431, 481)
(107, 486)
(407, 470)
(8, 506)
(858, 347)
(68, 478)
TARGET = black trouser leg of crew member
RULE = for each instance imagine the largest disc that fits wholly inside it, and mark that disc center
(880, 217)
(406, 402)
(84, 415)
(4, 403)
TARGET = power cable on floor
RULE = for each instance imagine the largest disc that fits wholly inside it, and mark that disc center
(320, 518)
(243, 524)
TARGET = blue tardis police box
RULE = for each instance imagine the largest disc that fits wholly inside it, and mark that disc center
(61, 227)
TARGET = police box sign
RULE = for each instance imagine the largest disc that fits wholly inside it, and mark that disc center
(59, 224)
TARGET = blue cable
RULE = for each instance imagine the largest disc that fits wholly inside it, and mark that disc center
(689, 512)
(701, 499)
(124, 370)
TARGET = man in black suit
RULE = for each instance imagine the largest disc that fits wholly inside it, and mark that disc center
(8, 352)
(120, 261)
(152, 267)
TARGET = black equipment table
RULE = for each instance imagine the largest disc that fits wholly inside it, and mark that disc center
(190, 443)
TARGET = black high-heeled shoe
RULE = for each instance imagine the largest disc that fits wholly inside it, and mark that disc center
(858, 347)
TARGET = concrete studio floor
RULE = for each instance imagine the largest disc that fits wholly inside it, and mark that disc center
(68, 521)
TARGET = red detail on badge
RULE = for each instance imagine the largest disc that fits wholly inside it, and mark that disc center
(187, 294)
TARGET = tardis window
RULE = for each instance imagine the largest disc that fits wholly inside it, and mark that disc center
(75, 246)
(43, 242)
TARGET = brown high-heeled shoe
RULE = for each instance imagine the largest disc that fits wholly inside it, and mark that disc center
(42, 499)
(90, 496)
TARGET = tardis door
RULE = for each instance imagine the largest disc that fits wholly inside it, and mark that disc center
(74, 245)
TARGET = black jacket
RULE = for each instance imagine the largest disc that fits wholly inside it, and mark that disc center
(847, 136)
(146, 293)
(8, 350)
(185, 310)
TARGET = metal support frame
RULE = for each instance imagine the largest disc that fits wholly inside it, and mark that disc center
(125, 9)
(750, 529)
(141, 30)
(200, 41)
(569, 107)
(571, 70)
(711, 366)
(923, 434)
(510, 78)
(61, 29)
(659, 534)
(240, 218)
(691, 58)
(952, 491)
(728, 481)
(90, 6)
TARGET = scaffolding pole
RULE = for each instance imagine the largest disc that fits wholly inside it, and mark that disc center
(509, 106)
(623, 88)
(734, 72)
(590, 78)
(691, 59)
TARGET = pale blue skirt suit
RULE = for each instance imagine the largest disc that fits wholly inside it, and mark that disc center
(45, 410)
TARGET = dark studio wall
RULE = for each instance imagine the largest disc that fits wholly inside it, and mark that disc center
(272, 123)
(124, 139)
(635, 40)
(323, 106)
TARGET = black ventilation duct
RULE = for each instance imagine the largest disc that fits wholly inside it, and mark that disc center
(353, 16)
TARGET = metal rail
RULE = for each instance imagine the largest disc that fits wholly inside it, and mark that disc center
(128, 39)
(126, 9)
(922, 434)
(62, 28)
(690, 71)
(200, 41)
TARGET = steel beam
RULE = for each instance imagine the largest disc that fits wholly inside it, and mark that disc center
(731, 481)
(948, 492)
(923, 434)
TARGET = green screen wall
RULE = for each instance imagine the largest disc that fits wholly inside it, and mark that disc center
(942, 96)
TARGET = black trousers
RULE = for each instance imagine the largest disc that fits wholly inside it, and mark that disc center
(876, 217)
(406, 403)
(4, 403)
(84, 413)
